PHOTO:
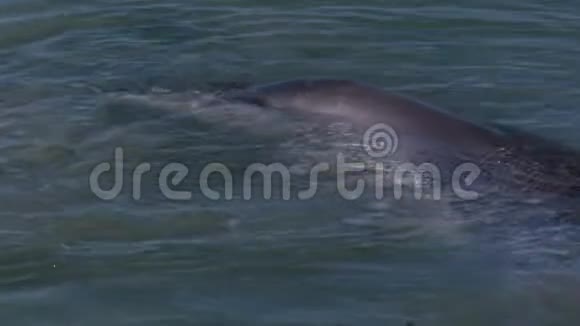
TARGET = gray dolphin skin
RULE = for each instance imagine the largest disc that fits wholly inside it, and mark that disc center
(517, 159)
(366, 105)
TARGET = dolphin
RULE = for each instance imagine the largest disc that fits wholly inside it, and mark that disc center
(424, 133)
(427, 132)
(365, 105)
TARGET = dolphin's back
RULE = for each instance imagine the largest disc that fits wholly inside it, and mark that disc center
(364, 105)
(427, 129)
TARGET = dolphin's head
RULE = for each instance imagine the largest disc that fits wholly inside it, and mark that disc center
(307, 94)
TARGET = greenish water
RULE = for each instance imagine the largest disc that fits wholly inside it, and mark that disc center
(69, 258)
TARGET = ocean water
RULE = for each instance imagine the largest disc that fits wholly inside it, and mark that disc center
(80, 79)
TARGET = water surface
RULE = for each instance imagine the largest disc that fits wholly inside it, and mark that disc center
(69, 258)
